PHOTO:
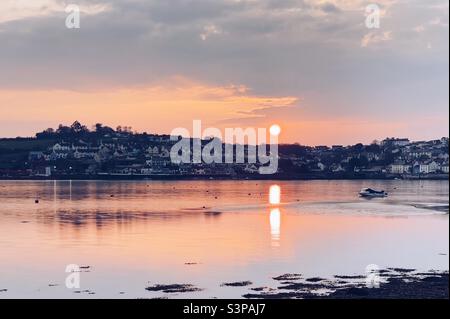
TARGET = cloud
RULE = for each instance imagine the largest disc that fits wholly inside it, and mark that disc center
(208, 31)
(13, 10)
(318, 52)
(372, 38)
(172, 103)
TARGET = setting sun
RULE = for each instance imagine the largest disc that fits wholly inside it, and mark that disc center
(275, 130)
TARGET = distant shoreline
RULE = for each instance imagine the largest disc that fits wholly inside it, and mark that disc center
(280, 177)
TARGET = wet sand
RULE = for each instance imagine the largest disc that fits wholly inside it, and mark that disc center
(396, 283)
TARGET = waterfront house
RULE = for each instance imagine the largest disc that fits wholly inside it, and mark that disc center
(399, 168)
(336, 168)
(420, 168)
(434, 167)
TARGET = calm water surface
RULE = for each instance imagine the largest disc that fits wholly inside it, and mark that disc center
(205, 233)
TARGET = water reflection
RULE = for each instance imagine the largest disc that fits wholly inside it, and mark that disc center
(150, 231)
(275, 223)
(275, 214)
(274, 195)
(81, 203)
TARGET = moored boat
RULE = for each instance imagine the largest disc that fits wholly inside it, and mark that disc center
(369, 192)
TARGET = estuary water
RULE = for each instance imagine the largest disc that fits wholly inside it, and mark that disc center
(129, 235)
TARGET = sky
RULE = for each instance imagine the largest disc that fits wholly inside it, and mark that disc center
(311, 66)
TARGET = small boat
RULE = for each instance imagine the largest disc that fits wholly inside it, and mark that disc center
(369, 192)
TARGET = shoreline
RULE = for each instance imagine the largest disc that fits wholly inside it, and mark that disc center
(395, 283)
(286, 177)
(389, 283)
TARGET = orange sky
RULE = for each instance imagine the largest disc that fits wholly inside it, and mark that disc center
(312, 66)
(162, 108)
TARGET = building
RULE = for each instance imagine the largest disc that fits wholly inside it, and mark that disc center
(44, 172)
(61, 147)
(399, 168)
(395, 142)
(421, 168)
(434, 167)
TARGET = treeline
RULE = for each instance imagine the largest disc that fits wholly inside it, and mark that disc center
(80, 131)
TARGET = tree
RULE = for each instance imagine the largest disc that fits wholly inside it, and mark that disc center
(78, 128)
(358, 147)
(46, 134)
(63, 130)
(373, 148)
(360, 161)
(98, 127)
(101, 130)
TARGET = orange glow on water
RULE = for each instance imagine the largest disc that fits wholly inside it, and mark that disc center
(275, 226)
(275, 214)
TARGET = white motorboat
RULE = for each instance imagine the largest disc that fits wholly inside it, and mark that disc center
(370, 193)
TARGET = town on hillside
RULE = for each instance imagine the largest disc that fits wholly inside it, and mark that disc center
(76, 152)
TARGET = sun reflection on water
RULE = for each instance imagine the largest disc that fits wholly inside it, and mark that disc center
(275, 214)
(275, 195)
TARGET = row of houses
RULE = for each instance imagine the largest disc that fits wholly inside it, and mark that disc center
(122, 159)
(141, 156)
(429, 167)
(98, 153)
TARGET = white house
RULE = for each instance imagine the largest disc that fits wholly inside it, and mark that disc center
(433, 167)
(396, 142)
(63, 147)
(337, 168)
(444, 168)
(421, 168)
(399, 168)
(165, 153)
(153, 150)
(88, 153)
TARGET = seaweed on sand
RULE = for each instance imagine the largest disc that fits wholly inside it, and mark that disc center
(173, 288)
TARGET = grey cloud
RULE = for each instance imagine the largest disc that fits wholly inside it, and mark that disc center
(329, 8)
(275, 47)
